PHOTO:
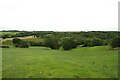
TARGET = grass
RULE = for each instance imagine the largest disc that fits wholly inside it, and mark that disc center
(36, 39)
(41, 62)
(12, 33)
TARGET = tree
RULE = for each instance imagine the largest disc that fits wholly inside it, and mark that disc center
(115, 42)
(97, 42)
(87, 43)
(81, 41)
(32, 43)
(24, 44)
(6, 36)
(68, 43)
(16, 41)
(93, 42)
(51, 42)
(20, 43)
(3, 46)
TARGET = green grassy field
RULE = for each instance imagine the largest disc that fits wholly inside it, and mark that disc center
(41, 62)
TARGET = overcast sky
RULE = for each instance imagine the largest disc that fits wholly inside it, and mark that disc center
(59, 15)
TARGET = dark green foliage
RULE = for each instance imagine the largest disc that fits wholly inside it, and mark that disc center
(97, 42)
(81, 41)
(36, 43)
(87, 43)
(68, 43)
(51, 42)
(24, 44)
(20, 43)
(6, 36)
(93, 42)
(17, 44)
(16, 40)
(74, 43)
(87, 39)
(4, 47)
(115, 42)
(90, 34)
(106, 42)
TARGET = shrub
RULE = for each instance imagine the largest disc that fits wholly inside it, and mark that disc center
(74, 43)
(17, 45)
(115, 42)
(36, 43)
(6, 36)
(93, 42)
(97, 42)
(20, 43)
(87, 43)
(51, 42)
(16, 41)
(106, 42)
(68, 43)
(80, 41)
(4, 47)
(24, 44)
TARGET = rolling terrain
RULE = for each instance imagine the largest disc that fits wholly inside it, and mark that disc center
(42, 62)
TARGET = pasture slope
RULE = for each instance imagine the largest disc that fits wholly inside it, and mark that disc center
(41, 62)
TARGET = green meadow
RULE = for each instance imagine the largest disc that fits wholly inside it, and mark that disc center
(92, 57)
(42, 62)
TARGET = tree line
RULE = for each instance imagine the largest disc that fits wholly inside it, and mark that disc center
(70, 40)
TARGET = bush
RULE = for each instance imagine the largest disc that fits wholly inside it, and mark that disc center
(24, 44)
(16, 41)
(20, 43)
(97, 42)
(4, 47)
(51, 42)
(87, 43)
(6, 36)
(106, 42)
(68, 43)
(115, 42)
(93, 42)
(17, 45)
(80, 41)
(36, 43)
